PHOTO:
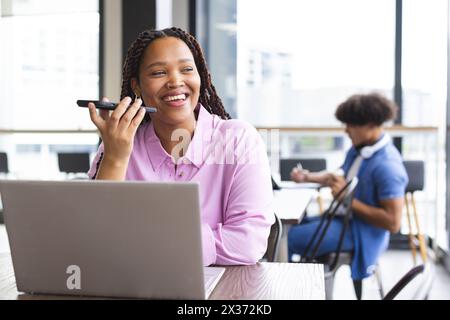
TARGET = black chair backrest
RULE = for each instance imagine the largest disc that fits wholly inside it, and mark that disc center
(75, 162)
(4, 162)
(416, 175)
(424, 283)
(275, 185)
(313, 165)
(273, 240)
(316, 240)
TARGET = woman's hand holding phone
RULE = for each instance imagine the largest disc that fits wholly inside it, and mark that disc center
(118, 129)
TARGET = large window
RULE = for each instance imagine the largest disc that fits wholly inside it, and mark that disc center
(297, 60)
(290, 63)
(222, 51)
(49, 58)
(424, 81)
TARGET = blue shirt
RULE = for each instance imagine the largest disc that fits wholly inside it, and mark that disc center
(381, 177)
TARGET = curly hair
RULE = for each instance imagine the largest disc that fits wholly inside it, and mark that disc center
(363, 109)
(208, 95)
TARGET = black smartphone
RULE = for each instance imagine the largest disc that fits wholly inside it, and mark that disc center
(107, 105)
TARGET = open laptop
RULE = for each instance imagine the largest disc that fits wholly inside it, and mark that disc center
(107, 239)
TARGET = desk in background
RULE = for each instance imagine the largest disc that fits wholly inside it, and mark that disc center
(290, 206)
(262, 281)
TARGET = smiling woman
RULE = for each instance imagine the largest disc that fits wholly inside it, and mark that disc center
(167, 70)
(168, 79)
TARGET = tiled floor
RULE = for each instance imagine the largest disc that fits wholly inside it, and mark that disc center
(393, 265)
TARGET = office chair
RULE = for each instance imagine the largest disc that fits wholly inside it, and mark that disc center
(312, 165)
(4, 162)
(421, 276)
(333, 261)
(74, 162)
(275, 185)
(416, 175)
(273, 240)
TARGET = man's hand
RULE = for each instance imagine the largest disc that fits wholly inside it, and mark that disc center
(299, 175)
(337, 182)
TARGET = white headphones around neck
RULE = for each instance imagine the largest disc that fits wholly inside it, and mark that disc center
(368, 151)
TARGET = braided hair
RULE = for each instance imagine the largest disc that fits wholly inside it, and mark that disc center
(208, 95)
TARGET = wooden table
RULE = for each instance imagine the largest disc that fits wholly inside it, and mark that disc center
(272, 281)
(290, 206)
(263, 281)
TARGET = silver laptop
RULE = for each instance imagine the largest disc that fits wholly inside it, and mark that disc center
(107, 239)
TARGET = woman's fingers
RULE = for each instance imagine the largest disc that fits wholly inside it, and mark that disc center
(137, 120)
(104, 114)
(95, 118)
(129, 115)
(120, 125)
(120, 110)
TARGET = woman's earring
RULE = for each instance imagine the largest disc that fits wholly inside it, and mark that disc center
(136, 96)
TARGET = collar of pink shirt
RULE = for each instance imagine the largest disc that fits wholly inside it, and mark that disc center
(206, 123)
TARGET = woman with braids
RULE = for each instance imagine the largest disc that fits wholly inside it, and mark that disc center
(378, 201)
(166, 69)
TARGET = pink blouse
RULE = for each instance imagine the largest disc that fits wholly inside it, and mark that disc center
(228, 159)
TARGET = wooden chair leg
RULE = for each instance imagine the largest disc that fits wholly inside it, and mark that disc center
(379, 281)
(320, 203)
(410, 233)
(422, 245)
